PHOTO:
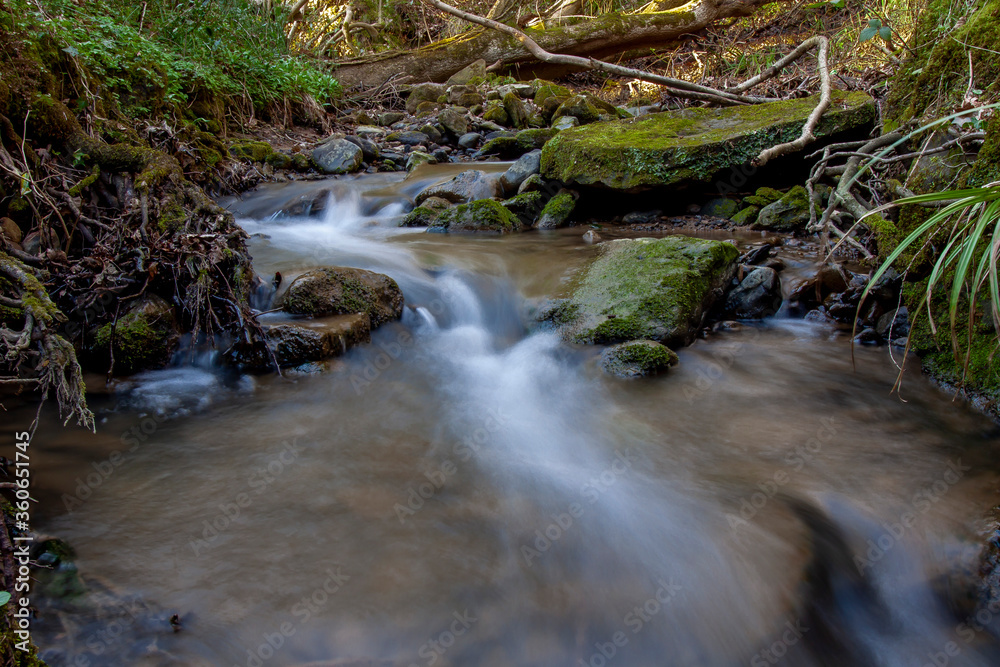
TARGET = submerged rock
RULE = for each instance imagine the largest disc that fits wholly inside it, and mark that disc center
(144, 337)
(338, 290)
(692, 144)
(317, 339)
(637, 358)
(657, 289)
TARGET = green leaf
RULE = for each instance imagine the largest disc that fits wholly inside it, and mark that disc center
(885, 32)
(70, 50)
(875, 23)
(4, 598)
(25, 185)
(867, 34)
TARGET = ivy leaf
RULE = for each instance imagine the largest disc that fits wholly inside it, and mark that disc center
(875, 23)
(885, 32)
(867, 34)
(4, 598)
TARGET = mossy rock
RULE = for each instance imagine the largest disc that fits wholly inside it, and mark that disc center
(746, 216)
(788, 214)
(495, 113)
(721, 207)
(526, 206)
(144, 338)
(421, 216)
(525, 141)
(655, 289)
(485, 216)
(637, 358)
(339, 290)
(257, 151)
(987, 166)
(693, 144)
(763, 197)
(557, 211)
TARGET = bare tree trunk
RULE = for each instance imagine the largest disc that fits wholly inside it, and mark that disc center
(602, 36)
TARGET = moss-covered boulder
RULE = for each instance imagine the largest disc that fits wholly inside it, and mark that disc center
(256, 151)
(465, 187)
(337, 156)
(421, 216)
(656, 289)
(424, 92)
(144, 338)
(485, 216)
(637, 358)
(763, 197)
(788, 214)
(338, 290)
(510, 148)
(527, 206)
(746, 216)
(692, 144)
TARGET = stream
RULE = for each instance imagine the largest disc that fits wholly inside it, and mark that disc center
(470, 490)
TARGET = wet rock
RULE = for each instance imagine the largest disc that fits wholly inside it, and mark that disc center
(656, 289)
(763, 197)
(868, 337)
(894, 324)
(496, 113)
(441, 155)
(565, 123)
(466, 187)
(557, 211)
(370, 132)
(424, 92)
(474, 70)
(642, 217)
(534, 183)
(421, 216)
(525, 166)
(390, 117)
(454, 122)
(757, 296)
(720, 207)
(417, 158)
(692, 144)
(470, 140)
(10, 230)
(369, 151)
(757, 255)
(527, 206)
(549, 96)
(338, 156)
(145, 337)
(464, 96)
(339, 290)
(637, 358)
(317, 339)
(485, 216)
(592, 237)
(788, 214)
(409, 138)
(433, 135)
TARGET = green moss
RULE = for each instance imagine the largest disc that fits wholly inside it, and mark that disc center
(934, 79)
(746, 216)
(482, 215)
(525, 206)
(763, 197)
(421, 216)
(987, 167)
(692, 144)
(505, 147)
(657, 289)
(143, 338)
(86, 182)
(495, 113)
(258, 151)
(638, 358)
(278, 160)
(557, 211)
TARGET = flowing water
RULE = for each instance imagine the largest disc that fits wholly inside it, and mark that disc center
(469, 491)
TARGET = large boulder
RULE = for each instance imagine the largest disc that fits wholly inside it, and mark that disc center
(523, 167)
(656, 289)
(338, 290)
(758, 295)
(473, 71)
(467, 186)
(424, 92)
(788, 214)
(692, 144)
(338, 156)
(144, 337)
(485, 216)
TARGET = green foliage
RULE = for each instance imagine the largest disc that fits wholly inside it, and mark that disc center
(166, 52)
(874, 28)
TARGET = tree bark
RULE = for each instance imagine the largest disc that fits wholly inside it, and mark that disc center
(602, 36)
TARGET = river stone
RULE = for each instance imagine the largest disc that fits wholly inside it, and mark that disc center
(370, 131)
(637, 358)
(516, 111)
(390, 117)
(464, 96)
(466, 187)
(745, 216)
(720, 207)
(526, 165)
(512, 147)
(557, 211)
(338, 290)
(788, 214)
(10, 230)
(409, 137)
(483, 216)
(495, 113)
(579, 107)
(317, 339)
(474, 70)
(424, 92)
(338, 156)
(692, 144)
(526, 206)
(421, 216)
(454, 122)
(144, 337)
(656, 289)
(369, 151)
(757, 296)
(534, 183)
(469, 140)
(417, 158)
